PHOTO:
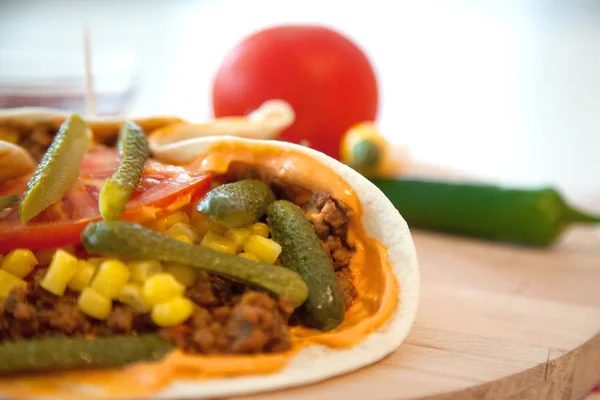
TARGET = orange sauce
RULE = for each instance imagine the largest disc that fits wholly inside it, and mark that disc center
(374, 280)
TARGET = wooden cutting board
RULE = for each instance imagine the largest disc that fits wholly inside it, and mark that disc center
(495, 322)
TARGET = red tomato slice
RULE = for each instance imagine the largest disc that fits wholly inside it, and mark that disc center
(163, 188)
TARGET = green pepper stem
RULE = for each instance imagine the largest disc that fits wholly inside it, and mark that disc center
(574, 215)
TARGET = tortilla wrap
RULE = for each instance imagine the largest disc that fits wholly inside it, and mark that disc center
(380, 220)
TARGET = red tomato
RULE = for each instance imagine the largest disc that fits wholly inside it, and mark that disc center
(325, 77)
(162, 187)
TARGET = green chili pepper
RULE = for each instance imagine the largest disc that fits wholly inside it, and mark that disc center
(529, 217)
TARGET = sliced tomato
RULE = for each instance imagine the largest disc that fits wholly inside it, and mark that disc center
(162, 189)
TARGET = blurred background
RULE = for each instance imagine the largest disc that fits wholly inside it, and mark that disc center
(503, 90)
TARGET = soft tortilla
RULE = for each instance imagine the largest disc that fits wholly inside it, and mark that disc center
(316, 363)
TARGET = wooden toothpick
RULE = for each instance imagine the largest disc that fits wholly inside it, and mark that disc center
(90, 97)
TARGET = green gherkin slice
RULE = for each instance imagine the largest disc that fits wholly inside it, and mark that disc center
(58, 170)
(129, 240)
(303, 252)
(116, 192)
(7, 201)
(237, 204)
(59, 353)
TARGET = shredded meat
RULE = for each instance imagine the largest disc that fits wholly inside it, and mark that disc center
(329, 217)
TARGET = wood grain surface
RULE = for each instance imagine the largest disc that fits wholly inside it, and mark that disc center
(495, 322)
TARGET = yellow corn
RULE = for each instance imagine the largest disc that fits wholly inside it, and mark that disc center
(266, 249)
(218, 243)
(83, 276)
(200, 223)
(186, 230)
(142, 270)
(238, 236)
(172, 312)
(131, 294)
(184, 274)
(8, 282)
(44, 256)
(61, 270)
(19, 262)
(110, 278)
(260, 229)
(160, 288)
(184, 239)
(94, 304)
(9, 135)
(249, 256)
(164, 223)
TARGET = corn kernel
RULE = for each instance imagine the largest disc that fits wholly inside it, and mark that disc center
(184, 239)
(260, 229)
(216, 228)
(218, 243)
(19, 262)
(179, 229)
(266, 249)
(110, 278)
(200, 223)
(131, 294)
(160, 288)
(94, 304)
(142, 270)
(172, 312)
(184, 274)
(238, 236)
(44, 256)
(164, 223)
(8, 282)
(61, 270)
(249, 256)
(83, 276)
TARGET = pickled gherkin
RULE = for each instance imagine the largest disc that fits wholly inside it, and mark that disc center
(237, 204)
(126, 239)
(58, 170)
(302, 252)
(60, 353)
(116, 192)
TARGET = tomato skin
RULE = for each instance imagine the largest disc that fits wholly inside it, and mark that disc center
(325, 77)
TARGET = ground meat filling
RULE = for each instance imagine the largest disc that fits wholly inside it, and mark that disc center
(329, 217)
(227, 318)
